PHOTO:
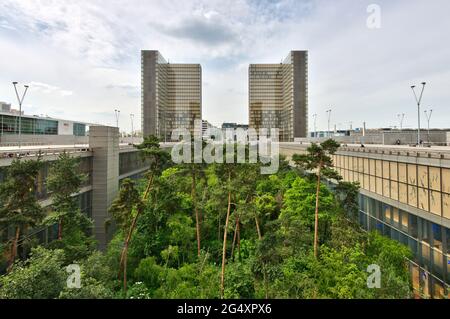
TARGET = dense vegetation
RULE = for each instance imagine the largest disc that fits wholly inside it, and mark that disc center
(208, 231)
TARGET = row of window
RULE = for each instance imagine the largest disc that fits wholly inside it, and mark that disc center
(428, 241)
(10, 125)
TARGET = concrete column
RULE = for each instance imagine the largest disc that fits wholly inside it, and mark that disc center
(104, 142)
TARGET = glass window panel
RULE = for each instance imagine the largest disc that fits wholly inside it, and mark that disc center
(402, 172)
(405, 220)
(435, 178)
(423, 199)
(435, 202)
(446, 205)
(372, 166)
(372, 183)
(386, 188)
(437, 236)
(394, 190)
(446, 180)
(379, 186)
(387, 213)
(425, 253)
(424, 283)
(438, 262)
(379, 170)
(395, 215)
(415, 277)
(385, 169)
(448, 241)
(402, 193)
(424, 231)
(438, 289)
(393, 170)
(412, 245)
(412, 195)
(366, 182)
(422, 172)
(412, 174)
(413, 228)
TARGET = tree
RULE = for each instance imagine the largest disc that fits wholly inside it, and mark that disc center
(195, 171)
(42, 276)
(158, 159)
(124, 211)
(318, 159)
(19, 206)
(63, 181)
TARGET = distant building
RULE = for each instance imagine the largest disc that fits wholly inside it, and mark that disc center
(232, 126)
(5, 107)
(278, 96)
(171, 95)
(39, 125)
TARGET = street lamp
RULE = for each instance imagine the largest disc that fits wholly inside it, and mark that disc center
(329, 113)
(132, 130)
(20, 101)
(428, 116)
(418, 100)
(401, 117)
(315, 129)
(117, 113)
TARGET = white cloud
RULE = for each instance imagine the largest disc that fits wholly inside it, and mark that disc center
(48, 89)
(92, 47)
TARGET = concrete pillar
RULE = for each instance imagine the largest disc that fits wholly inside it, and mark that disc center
(104, 142)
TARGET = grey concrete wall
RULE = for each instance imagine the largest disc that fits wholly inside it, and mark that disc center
(104, 143)
(13, 139)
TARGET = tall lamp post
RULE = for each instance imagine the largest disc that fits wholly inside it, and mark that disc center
(132, 129)
(428, 116)
(401, 117)
(315, 128)
(20, 101)
(418, 100)
(329, 113)
(117, 113)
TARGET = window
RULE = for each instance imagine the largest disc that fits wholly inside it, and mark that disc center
(412, 225)
(387, 213)
(405, 220)
(395, 215)
(448, 241)
(424, 231)
(437, 236)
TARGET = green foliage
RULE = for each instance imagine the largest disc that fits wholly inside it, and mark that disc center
(42, 276)
(270, 231)
(138, 291)
(123, 206)
(239, 281)
(18, 204)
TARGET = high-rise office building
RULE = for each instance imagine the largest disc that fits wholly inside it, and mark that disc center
(278, 96)
(171, 96)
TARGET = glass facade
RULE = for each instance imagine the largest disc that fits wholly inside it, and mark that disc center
(429, 243)
(171, 95)
(424, 187)
(276, 99)
(79, 129)
(9, 124)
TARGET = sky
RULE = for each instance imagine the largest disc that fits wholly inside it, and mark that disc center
(82, 58)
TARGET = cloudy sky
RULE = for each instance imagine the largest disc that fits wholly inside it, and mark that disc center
(82, 58)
